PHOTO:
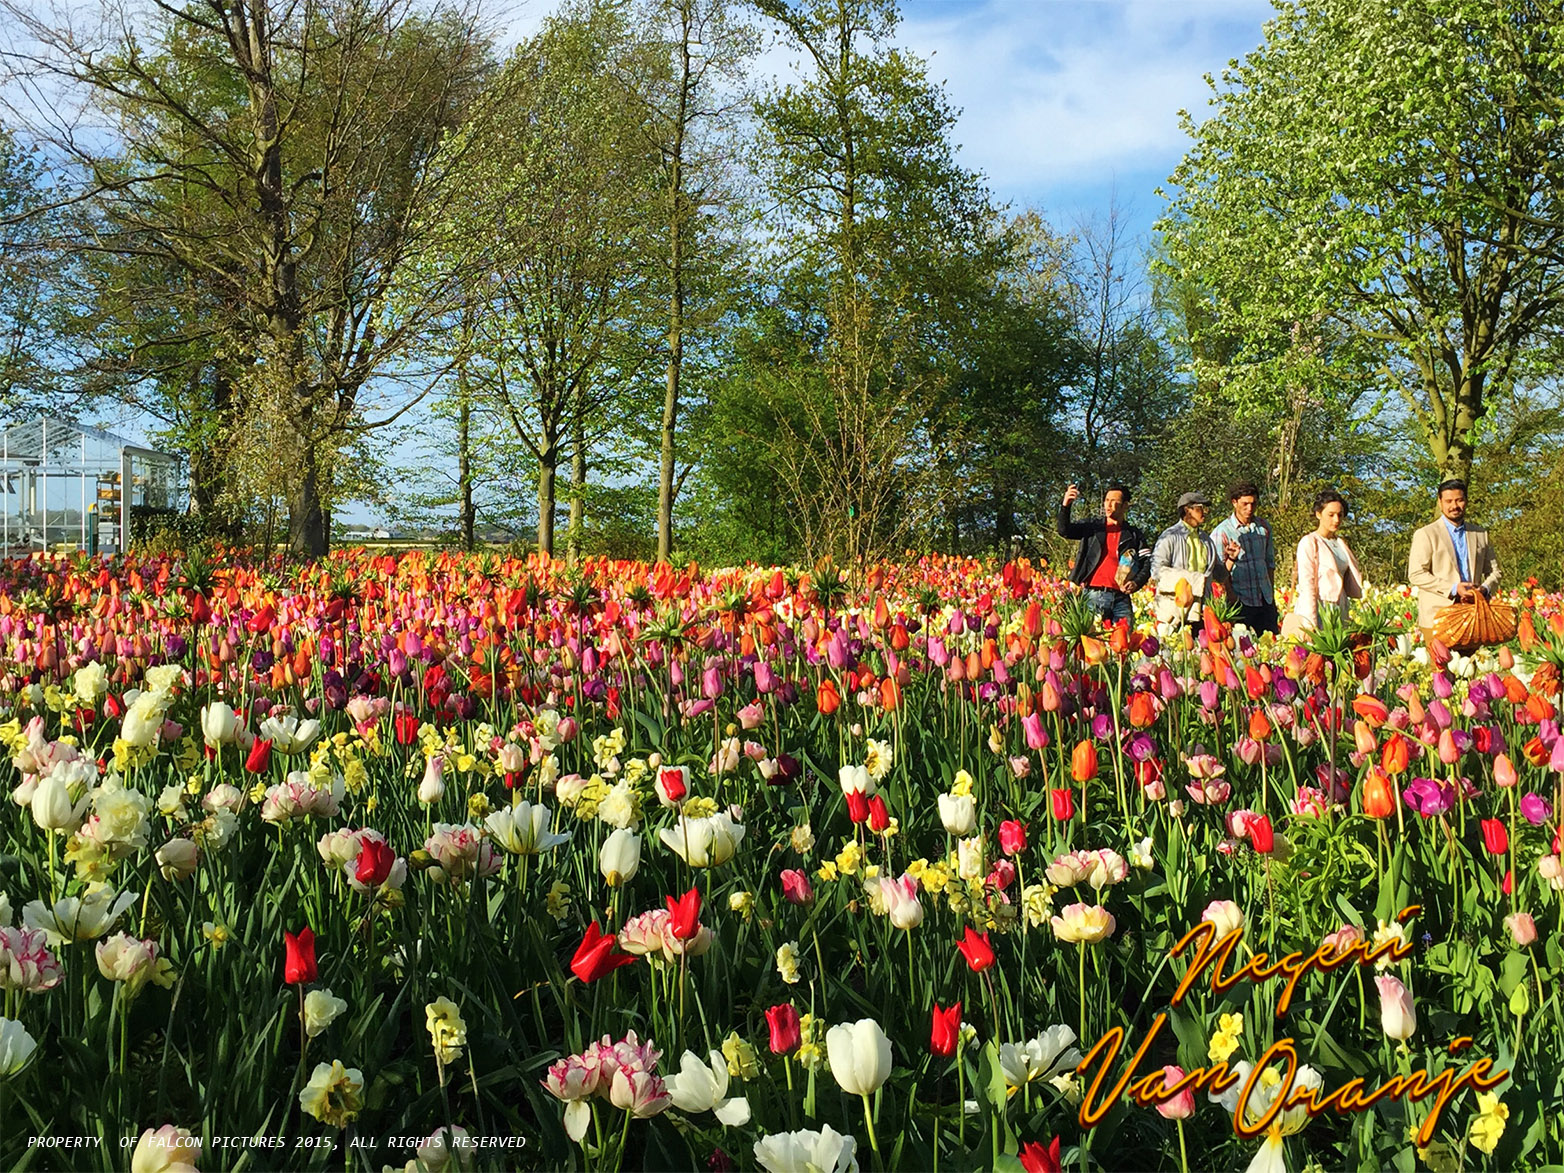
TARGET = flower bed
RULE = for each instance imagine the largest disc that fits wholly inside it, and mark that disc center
(456, 862)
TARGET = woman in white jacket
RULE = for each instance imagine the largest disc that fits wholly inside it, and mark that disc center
(1328, 574)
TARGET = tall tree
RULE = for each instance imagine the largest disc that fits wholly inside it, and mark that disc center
(1392, 169)
(691, 108)
(276, 158)
(552, 222)
(887, 242)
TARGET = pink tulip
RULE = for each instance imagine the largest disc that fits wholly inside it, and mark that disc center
(1181, 1106)
(1504, 771)
(1523, 929)
(1032, 727)
(1397, 1015)
(795, 887)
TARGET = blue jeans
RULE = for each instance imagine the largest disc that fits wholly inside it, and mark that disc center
(1111, 605)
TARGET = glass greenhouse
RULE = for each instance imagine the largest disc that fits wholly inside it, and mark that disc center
(70, 487)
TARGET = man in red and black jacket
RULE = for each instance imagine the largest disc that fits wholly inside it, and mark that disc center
(1114, 560)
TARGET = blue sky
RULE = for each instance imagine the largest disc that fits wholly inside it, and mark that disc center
(1068, 105)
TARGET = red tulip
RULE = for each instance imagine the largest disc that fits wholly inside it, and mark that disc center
(1036, 1159)
(945, 1032)
(976, 949)
(857, 806)
(783, 1020)
(1083, 761)
(261, 621)
(299, 956)
(374, 863)
(260, 758)
(1495, 838)
(1262, 835)
(1063, 804)
(1012, 836)
(685, 915)
(597, 955)
(406, 726)
(200, 612)
(879, 817)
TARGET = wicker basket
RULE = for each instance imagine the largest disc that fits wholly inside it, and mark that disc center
(1465, 626)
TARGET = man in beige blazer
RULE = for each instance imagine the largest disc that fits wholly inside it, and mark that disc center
(1450, 560)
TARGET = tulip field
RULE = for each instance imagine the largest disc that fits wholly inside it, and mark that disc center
(461, 862)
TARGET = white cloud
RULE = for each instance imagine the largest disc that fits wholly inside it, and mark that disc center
(1071, 92)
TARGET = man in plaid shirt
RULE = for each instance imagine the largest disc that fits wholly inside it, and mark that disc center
(1253, 570)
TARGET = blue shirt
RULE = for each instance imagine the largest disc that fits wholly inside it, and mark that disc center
(1458, 539)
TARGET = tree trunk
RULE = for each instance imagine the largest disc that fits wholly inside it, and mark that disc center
(464, 463)
(547, 462)
(578, 476)
(676, 223)
(309, 520)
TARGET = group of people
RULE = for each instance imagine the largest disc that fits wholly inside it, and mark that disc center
(1450, 561)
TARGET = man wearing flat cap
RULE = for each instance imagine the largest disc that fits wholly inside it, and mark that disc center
(1185, 554)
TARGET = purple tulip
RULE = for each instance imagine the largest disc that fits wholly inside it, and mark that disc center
(1428, 796)
(1535, 809)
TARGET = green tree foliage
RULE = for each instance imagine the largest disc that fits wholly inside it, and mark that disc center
(31, 292)
(252, 216)
(1391, 170)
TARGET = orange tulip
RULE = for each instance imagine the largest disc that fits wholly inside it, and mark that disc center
(1259, 725)
(1379, 796)
(1143, 709)
(1032, 619)
(1363, 739)
(1182, 594)
(890, 693)
(1371, 709)
(1526, 631)
(1395, 755)
(827, 699)
(1083, 761)
(1093, 651)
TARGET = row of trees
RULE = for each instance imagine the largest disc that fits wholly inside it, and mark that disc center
(613, 281)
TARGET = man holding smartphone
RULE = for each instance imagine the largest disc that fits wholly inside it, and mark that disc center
(1113, 560)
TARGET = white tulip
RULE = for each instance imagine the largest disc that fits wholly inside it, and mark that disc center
(290, 735)
(620, 858)
(523, 829)
(704, 843)
(699, 1088)
(860, 1056)
(78, 918)
(219, 723)
(16, 1046)
(807, 1151)
(958, 813)
(52, 807)
(177, 859)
